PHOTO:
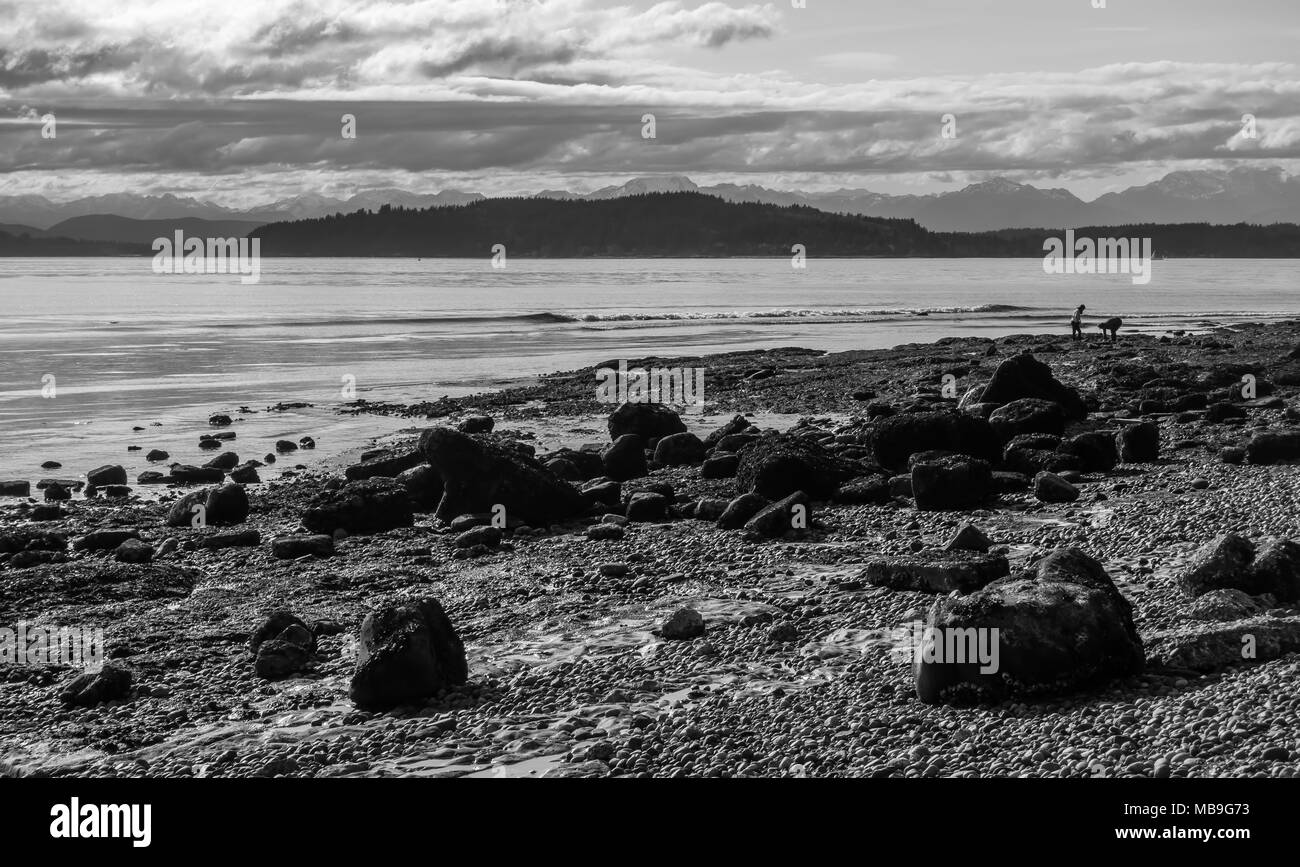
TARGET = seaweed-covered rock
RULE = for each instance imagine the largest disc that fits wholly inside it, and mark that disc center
(369, 506)
(898, 437)
(1028, 415)
(479, 472)
(406, 654)
(955, 482)
(1059, 627)
(776, 465)
(647, 420)
(1022, 376)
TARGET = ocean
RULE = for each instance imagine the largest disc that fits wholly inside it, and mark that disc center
(91, 348)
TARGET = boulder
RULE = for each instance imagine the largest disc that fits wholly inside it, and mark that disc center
(407, 653)
(15, 488)
(186, 474)
(103, 539)
(720, 466)
(476, 424)
(738, 424)
(1022, 376)
(224, 461)
(386, 464)
(679, 449)
(779, 518)
(683, 625)
(1223, 563)
(1028, 415)
(1274, 447)
(969, 538)
(1223, 605)
(110, 474)
(1060, 627)
(226, 504)
(1212, 647)
(741, 509)
(1139, 443)
(936, 571)
(423, 486)
(1051, 488)
(864, 489)
(369, 506)
(624, 459)
(479, 473)
(189, 511)
(647, 420)
(897, 437)
(1096, 450)
(1276, 571)
(647, 506)
(133, 551)
(110, 683)
(776, 465)
(281, 646)
(958, 482)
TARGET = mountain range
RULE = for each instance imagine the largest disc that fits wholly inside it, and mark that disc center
(1252, 195)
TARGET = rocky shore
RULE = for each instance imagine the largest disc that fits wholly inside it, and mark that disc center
(540, 584)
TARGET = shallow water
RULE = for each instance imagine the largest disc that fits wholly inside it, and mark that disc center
(123, 346)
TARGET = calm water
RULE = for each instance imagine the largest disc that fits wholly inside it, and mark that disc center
(128, 347)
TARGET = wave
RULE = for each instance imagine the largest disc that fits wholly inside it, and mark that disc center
(803, 313)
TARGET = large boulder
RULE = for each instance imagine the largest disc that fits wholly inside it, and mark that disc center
(227, 504)
(898, 437)
(479, 472)
(109, 474)
(1207, 647)
(1139, 443)
(407, 653)
(779, 518)
(1059, 627)
(1026, 416)
(679, 449)
(1051, 488)
(189, 511)
(369, 506)
(624, 458)
(1221, 564)
(776, 465)
(1022, 376)
(110, 683)
(738, 512)
(1096, 450)
(1274, 447)
(1276, 571)
(955, 482)
(647, 420)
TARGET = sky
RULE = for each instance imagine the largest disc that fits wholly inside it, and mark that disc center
(242, 102)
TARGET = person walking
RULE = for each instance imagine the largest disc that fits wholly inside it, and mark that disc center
(1076, 324)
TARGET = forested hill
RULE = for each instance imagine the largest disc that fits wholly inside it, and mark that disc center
(694, 224)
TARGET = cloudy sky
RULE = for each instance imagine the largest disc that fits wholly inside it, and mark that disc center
(240, 102)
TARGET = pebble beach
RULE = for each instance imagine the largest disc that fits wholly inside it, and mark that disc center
(576, 660)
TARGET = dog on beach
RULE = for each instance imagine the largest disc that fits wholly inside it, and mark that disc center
(1111, 325)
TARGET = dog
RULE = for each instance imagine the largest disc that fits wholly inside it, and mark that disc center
(1112, 325)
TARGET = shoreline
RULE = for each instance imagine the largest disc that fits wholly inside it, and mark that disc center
(568, 675)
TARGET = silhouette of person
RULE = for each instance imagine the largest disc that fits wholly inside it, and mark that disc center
(1112, 325)
(1076, 324)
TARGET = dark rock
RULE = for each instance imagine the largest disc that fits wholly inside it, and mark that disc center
(237, 539)
(1028, 415)
(278, 659)
(679, 449)
(865, 489)
(777, 465)
(110, 474)
(683, 625)
(721, 466)
(1276, 571)
(133, 551)
(898, 437)
(109, 683)
(16, 488)
(1232, 455)
(1218, 413)
(1223, 605)
(936, 571)
(476, 424)
(1009, 482)
(227, 504)
(1221, 564)
(1139, 443)
(190, 475)
(1051, 488)
(741, 509)
(423, 485)
(624, 459)
(1024, 376)
(369, 506)
(605, 532)
(780, 517)
(1212, 647)
(245, 475)
(219, 420)
(57, 492)
(183, 512)
(407, 653)
(479, 473)
(1096, 450)
(283, 446)
(647, 420)
(489, 536)
(223, 461)
(1274, 447)
(1062, 627)
(306, 442)
(153, 477)
(647, 506)
(292, 547)
(738, 424)
(603, 491)
(969, 538)
(104, 539)
(958, 482)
